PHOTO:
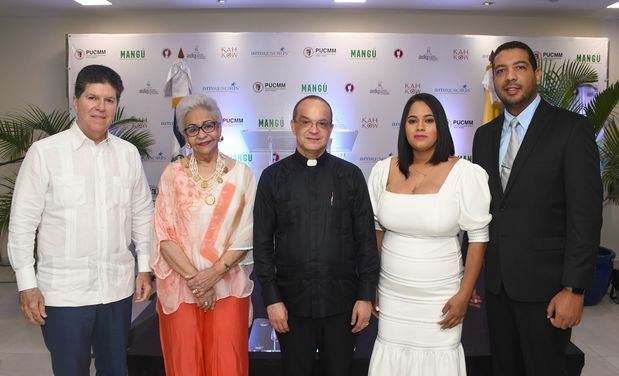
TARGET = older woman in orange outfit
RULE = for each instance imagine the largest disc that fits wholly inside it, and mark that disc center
(202, 253)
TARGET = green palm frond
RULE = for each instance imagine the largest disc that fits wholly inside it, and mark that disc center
(14, 140)
(35, 118)
(142, 139)
(603, 106)
(560, 82)
(129, 130)
(6, 198)
(609, 155)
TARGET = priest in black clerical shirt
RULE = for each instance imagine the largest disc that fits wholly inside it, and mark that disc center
(315, 248)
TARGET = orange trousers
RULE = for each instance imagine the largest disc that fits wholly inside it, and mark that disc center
(212, 343)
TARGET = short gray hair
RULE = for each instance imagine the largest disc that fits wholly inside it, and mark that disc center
(190, 103)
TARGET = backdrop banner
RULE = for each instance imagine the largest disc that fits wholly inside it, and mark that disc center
(258, 77)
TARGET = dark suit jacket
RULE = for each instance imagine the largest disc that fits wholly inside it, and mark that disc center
(545, 227)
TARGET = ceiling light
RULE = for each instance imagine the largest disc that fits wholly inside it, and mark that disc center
(487, 3)
(349, 1)
(615, 5)
(93, 2)
(221, 1)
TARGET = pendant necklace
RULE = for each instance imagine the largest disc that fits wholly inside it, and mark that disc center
(208, 184)
(423, 176)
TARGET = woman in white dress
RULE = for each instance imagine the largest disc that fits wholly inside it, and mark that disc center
(421, 199)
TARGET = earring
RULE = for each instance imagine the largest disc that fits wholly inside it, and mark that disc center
(187, 145)
(221, 138)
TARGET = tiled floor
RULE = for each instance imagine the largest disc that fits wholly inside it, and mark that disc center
(22, 352)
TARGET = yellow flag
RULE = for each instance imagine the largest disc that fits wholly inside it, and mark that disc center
(492, 104)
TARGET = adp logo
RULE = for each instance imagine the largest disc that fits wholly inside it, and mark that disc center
(196, 54)
(349, 87)
(166, 53)
(428, 56)
(379, 89)
(398, 53)
(148, 90)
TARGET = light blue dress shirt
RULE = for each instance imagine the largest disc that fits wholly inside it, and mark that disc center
(524, 119)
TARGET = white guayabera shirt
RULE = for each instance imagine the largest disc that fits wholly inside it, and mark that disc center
(88, 202)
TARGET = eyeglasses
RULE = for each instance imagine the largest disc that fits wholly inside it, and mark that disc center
(307, 123)
(193, 130)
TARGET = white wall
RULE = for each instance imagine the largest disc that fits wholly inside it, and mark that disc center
(32, 58)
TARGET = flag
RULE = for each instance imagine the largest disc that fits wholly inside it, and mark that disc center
(492, 103)
(177, 86)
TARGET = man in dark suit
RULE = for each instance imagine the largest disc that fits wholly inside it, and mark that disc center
(544, 173)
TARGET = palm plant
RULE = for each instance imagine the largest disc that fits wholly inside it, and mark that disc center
(559, 86)
(19, 130)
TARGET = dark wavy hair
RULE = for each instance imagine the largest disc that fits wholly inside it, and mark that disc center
(444, 143)
(98, 74)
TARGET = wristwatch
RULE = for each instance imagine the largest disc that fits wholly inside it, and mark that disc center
(575, 290)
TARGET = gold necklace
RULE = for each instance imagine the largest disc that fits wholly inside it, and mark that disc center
(423, 176)
(205, 183)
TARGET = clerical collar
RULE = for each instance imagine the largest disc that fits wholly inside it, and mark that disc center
(311, 162)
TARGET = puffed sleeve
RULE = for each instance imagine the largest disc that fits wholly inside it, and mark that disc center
(163, 221)
(242, 238)
(376, 184)
(474, 197)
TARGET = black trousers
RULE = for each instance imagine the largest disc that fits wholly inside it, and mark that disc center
(332, 337)
(522, 339)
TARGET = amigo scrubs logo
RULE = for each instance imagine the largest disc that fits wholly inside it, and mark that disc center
(281, 52)
(464, 89)
(231, 88)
